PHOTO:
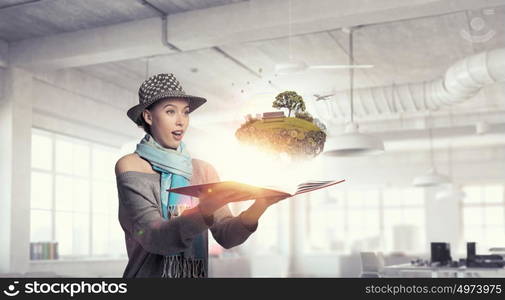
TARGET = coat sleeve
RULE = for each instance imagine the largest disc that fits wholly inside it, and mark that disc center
(228, 230)
(140, 216)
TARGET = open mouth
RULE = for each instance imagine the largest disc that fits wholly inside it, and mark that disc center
(177, 134)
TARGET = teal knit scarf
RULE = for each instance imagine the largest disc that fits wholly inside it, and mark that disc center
(176, 170)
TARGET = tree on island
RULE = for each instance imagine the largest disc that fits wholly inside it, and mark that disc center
(289, 100)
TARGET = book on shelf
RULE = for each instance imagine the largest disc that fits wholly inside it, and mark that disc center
(43, 250)
(243, 191)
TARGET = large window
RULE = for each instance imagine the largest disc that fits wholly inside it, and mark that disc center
(74, 197)
(267, 238)
(388, 220)
(484, 216)
(404, 224)
(326, 221)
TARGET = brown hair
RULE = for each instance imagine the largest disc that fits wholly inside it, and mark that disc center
(143, 123)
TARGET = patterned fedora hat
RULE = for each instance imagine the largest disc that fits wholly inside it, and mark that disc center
(157, 87)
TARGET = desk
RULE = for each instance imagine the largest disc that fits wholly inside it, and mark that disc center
(409, 270)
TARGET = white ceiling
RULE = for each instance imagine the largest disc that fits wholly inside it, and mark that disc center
(407, 51)
(231, 75)
(24, 19)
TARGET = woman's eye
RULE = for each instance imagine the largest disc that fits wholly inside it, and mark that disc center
(187, 112)
(170, 111)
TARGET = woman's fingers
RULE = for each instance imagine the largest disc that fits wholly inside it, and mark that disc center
(224, 196)
(278, 198)
(273, 199)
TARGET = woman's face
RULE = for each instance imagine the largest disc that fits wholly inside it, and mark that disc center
(169, 119)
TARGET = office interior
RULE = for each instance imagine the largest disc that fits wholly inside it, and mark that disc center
(431, 90)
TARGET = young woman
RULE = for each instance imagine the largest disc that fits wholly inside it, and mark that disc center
(167, 233)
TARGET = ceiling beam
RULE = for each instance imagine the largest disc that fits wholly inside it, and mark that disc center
(265, 19)
(93, 46)
(222, 25)
(17, 5)
(458, 137)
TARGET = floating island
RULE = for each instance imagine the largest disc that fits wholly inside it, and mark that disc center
(300, 136)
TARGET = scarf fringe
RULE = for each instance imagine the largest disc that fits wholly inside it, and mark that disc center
(179, 267)
(177, 210)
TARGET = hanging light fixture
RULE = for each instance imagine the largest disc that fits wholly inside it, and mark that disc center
(432, 177)
(352, 142)
(291, 66)
(452, 190)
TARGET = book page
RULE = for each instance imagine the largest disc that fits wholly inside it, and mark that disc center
(238, 191)
(235, 190)
(314, 185)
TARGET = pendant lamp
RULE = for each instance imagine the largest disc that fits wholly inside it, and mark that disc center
(432, 177)
(352, 142)
(452, 190)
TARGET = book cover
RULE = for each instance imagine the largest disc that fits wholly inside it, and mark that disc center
(51, 250)
(243, 191)
(38, 252)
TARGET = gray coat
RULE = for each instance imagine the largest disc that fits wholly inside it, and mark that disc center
(149, 237)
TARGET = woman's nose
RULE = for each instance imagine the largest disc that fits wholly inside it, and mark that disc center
(179, 120)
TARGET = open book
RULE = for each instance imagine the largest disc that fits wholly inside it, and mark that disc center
(248, 192)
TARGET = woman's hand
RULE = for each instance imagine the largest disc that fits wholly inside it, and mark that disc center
(213, 200)
(267, 201)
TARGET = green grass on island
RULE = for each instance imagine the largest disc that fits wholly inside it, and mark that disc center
(285, 123)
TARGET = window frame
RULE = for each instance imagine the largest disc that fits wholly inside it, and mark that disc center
(381, 208)
(483, 205)
(91, 145)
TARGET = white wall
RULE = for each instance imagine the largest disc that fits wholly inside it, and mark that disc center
(76, 104)
(5, 173)
(67, 102)
(445, 221)
(15, 139)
